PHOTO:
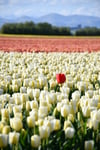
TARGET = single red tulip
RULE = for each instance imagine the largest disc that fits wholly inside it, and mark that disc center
(61, 78)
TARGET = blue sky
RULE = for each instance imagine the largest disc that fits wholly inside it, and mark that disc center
(42, 7)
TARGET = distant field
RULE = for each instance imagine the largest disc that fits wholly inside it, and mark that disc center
(35, 43)
(45, 36)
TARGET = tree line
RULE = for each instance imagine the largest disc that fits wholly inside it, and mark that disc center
(46, 29)
(88, 31)
(32, 28)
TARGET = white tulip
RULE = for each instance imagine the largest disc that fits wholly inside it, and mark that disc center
(6, 129)
(44, 132)
(95, 124)
(13, 137)
(3, 140)
(35, 141)
(43, 111)
(59, 106)
(34, 104)
(4, 113)
(17, 108)
(23, 89)
(1, 91)
(30, 93)
(28, 106)
(24, 98)
(65, 111)
(36, 93)
(89, 145)
(56, 124)
(76, 95)
(86, 111)
(18, 115)
(69, 132)
(26, 82)
(16, 124)
(67, 124)
(31, 121)
(89, 93)
(34, 113)
(15, 88)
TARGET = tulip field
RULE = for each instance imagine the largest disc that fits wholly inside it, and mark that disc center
(50, 101)
(49, 44)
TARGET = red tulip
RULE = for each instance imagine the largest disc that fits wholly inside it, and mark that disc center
(61, 78)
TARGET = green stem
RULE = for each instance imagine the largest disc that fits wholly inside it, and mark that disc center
(43, 143)
(34, 130)
(47, 141)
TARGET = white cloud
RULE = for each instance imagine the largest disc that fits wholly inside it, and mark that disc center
(42, 7)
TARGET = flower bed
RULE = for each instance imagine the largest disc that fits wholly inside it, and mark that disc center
(49, 44)
(49, 101)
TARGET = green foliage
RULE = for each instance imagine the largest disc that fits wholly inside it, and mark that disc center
(32, 28)
(88, 31)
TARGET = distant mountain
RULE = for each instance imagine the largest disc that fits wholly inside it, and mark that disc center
(71, 21)
(58, 20)
(26, 18)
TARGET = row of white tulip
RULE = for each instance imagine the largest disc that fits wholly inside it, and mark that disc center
(32, 102)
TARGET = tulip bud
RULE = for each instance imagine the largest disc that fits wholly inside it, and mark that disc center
(56, 124)
(15, 88)
(86, 111)
(28, 106)
(30, 93)
(40, 122)
(48, 124)
(13, 137)
(61, 78)
(1, 91)
(89, 145)
(67, 124)
(89, 94)
(36, 93)
(16, 124)
(52, 84)
(44, 132)
(35, 141)
(5, 113)
(69, 132)
(71, 118)
(43, 111)
(65, 111)
(16, 109)
(3, 140)
(55, 112)
(34, 113)
(6, 129)
(34, 104)
(95, 124)
(18, 115)
(24, 98)
(23, 90)
(58, 106)
(18, 100)
(10, 108)
(76, 95)
(26, 82)
(30, 121)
